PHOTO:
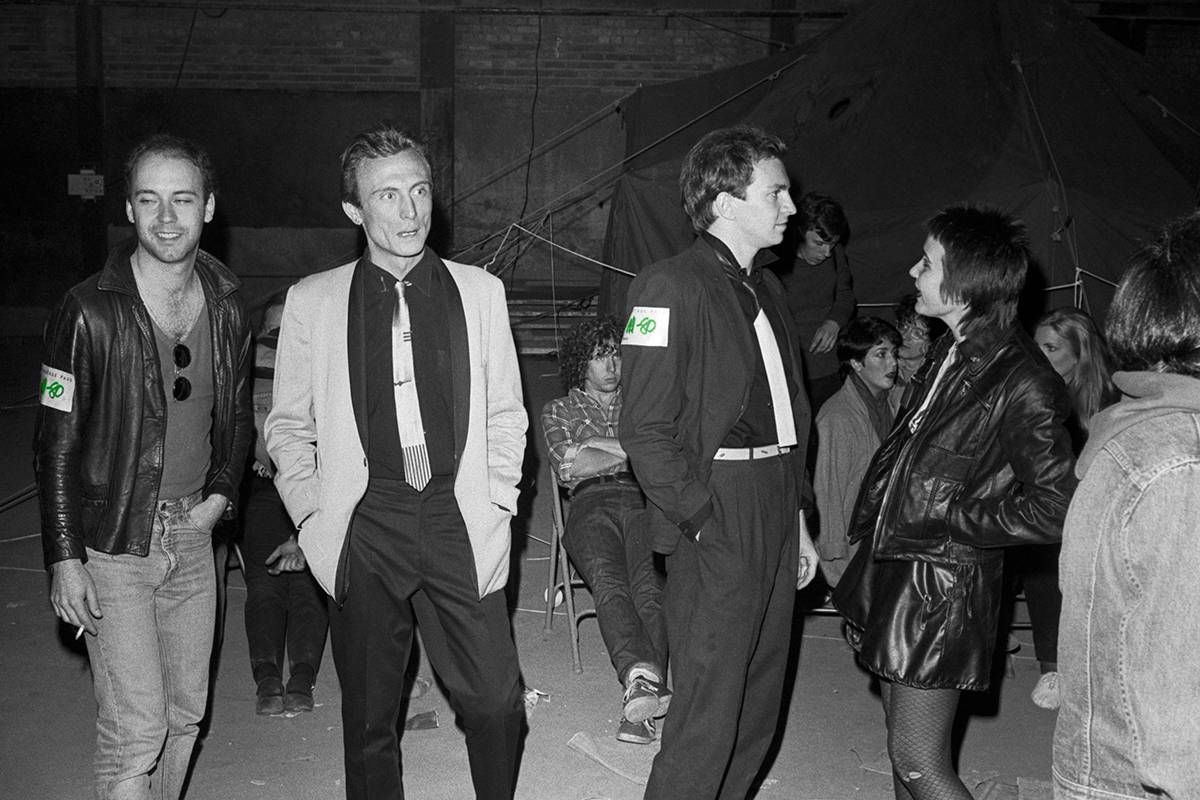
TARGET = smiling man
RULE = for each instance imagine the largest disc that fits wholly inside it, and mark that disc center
(142, 433)
(716, 426)
(397, 433)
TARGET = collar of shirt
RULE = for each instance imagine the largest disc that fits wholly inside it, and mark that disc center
(581, 397)
(419, 277)
(761, 259)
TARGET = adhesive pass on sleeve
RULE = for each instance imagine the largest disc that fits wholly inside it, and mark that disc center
(647, 326)
(56, 389)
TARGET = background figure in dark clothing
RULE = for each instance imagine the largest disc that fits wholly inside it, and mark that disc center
(604, 535)
(282, 606)
(820, 292)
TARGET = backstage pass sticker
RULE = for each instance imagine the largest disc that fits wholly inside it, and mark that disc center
(56, 389)
(647, 326)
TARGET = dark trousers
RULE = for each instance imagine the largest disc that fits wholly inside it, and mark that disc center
(729, 600)
(410, 563)
(608, 546)
(284, 609)
(1036, 567)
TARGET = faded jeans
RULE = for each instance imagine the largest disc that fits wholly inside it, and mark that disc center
(150, 659)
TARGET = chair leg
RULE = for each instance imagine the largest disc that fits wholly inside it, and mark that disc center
(237, 552)
(572, 620)
(551, 579)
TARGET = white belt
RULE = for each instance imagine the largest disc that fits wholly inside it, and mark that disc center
(749, 453)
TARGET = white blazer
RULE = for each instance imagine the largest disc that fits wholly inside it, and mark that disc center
(313, 436)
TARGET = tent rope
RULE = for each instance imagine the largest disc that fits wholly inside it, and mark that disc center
(1168, 113)
(541, 149)
(1066, 227)
(554, 289)
(553, 206)
(556, 246)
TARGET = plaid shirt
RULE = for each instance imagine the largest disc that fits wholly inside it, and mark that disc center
(568, 422)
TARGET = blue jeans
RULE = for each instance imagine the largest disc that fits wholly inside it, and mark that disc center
(150, 658)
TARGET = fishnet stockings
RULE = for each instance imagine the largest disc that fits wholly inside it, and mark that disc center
(920, 722)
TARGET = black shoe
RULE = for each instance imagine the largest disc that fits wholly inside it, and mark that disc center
(299, 695)
(269, 697)
(295, 702)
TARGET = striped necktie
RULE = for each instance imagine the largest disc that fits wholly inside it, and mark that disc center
(408, 407)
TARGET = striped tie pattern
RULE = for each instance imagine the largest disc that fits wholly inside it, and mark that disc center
(408, 408)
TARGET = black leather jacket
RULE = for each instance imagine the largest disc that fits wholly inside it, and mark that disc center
(99, 465)
(990, 466)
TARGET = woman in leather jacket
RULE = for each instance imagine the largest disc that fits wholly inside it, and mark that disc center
(979, 459)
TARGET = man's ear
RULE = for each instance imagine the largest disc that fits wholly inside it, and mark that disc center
(723, 205)
(210, 206)
(353, 212)
(129, 211)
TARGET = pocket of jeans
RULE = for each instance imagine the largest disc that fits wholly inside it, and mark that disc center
(190, 521)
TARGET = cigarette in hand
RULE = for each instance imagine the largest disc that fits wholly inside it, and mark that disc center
(78, 633)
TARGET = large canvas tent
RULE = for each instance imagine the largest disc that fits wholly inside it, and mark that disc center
(905, 107)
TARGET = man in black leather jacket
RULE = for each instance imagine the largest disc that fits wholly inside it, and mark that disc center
(141, 438)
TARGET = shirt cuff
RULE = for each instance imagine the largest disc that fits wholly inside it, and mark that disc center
(692, 526)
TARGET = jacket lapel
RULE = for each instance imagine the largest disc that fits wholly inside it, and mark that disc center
(356, 342)
(460, 359)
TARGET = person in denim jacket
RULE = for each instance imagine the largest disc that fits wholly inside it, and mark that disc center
(1129, 722)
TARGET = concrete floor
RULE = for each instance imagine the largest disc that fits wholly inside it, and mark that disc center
(832, 747)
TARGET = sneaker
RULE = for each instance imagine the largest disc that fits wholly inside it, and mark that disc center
(636, 732)
(645, 699)
(420, 687)
(269, 697)
(1045, 693)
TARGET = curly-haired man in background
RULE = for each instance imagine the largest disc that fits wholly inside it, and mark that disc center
(603, 535)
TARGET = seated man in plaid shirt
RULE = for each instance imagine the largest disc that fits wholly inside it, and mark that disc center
(603, 534)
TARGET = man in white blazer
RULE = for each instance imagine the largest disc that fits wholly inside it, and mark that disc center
(397, 433)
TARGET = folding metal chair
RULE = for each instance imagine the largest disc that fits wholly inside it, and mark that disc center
(559, 576)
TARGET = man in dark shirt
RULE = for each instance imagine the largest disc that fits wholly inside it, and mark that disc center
(819, 291)
(397, 431)
(716, 426)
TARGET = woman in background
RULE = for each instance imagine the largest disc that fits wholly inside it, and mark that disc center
(1079, 354)
(850, 427)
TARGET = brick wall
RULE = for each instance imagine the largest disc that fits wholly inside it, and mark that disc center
(243, 48)
(37, 46)
(602, 52)
(583, 63)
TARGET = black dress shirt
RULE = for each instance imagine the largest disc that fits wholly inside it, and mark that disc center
(426, 294)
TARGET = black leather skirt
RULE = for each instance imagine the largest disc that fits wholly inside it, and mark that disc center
(923, 624)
